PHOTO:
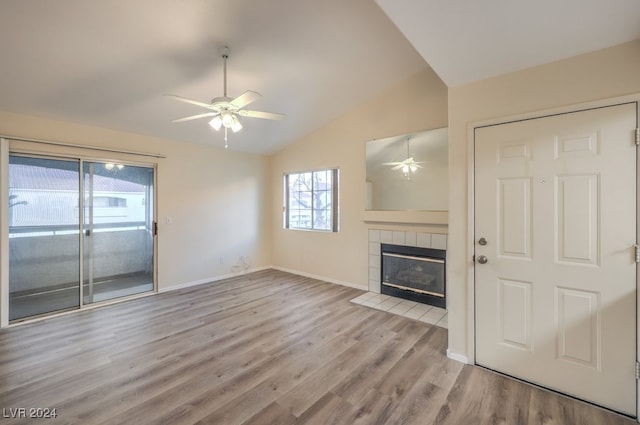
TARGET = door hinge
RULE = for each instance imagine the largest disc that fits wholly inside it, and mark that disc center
(637, 371)
(637, 250)
(637, 136)
(155, 232)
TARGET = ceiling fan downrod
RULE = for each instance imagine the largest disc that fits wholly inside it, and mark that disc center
(224, 51)
(225, 56)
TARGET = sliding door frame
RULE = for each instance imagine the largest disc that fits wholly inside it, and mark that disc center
(4, 233)
(5, 151)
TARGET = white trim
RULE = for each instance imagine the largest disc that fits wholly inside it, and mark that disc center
(458, 357)
(602, 103)
(4, 233)
(322, 278)
(209, 280)
(471, 283)
(637, 265)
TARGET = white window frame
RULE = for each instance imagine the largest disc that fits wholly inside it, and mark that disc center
(335, 179)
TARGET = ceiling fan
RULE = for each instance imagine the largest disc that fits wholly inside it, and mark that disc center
(408, 165)
(225, 110)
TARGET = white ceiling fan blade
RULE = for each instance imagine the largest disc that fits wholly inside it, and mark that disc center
(245, 98)
(259, 114)
(399, 166)
(185, 100)
(392, 163)
(195, 117)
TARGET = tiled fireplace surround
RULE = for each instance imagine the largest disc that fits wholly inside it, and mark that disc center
(374, 299)
(377, 236)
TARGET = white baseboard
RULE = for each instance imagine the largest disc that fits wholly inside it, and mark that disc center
(458, 357)
(322, 278)
(211, 279)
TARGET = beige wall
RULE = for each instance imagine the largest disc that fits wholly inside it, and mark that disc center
(418, 103)
(604, 74)
(230, 204)
(215, 197)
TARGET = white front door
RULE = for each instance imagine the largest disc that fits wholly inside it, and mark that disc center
(555, 272)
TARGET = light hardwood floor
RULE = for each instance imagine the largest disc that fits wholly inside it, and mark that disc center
(267, 348)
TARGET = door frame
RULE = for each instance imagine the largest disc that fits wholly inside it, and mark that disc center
(470, 251)
(91, 155)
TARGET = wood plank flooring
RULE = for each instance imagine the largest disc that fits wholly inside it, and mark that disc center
(269, 348)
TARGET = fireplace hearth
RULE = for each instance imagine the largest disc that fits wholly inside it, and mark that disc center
(413, 273)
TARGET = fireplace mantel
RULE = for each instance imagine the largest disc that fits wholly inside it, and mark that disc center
(406, 217)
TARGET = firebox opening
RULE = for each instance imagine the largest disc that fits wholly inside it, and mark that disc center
(413, 273)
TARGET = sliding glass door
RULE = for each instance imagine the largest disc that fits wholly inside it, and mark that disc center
(44, 243)
(73, 221)
(117, 231)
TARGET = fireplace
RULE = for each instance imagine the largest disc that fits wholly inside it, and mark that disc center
(413, 273)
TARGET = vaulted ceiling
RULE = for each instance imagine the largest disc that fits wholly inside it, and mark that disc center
(108, 63)
(466, 41)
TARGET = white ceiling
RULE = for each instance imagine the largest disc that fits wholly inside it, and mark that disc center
(107, 63)
(465, 41)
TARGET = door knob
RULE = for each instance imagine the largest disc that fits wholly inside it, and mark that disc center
(482, 241)
(483, 259)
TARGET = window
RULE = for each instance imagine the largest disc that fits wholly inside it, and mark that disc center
(311, 200)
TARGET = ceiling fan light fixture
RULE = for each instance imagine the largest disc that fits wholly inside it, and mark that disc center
(227, 119)
(236, 126)
(216, 123)
(225, 110)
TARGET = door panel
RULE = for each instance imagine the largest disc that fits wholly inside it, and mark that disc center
(556, 301)
(578, 330)
(44, 244)
(514, 195)
(118, 231)
(515, 313)
(577, 206)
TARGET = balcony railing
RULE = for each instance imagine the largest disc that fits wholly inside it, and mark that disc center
(70, 229)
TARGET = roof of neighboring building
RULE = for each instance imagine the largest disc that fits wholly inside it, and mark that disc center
(42, 178)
